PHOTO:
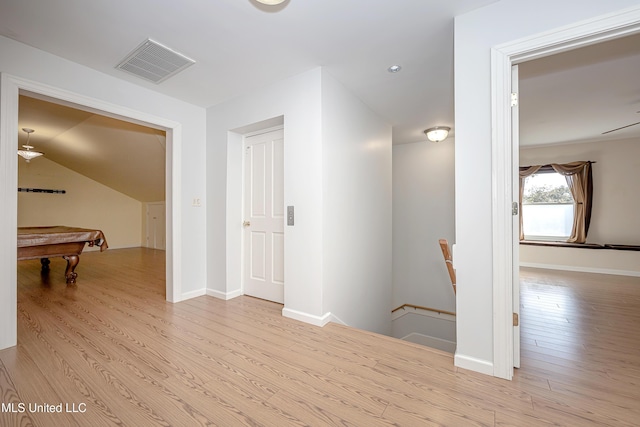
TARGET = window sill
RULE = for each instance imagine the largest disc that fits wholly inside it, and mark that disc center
(581, 245)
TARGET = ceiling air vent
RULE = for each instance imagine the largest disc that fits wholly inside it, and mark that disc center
(154, 62)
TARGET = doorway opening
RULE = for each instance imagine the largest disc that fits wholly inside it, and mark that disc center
(12, 89)
(505, 155)
(555, 129)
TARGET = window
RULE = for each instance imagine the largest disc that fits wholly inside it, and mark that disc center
(547, 207)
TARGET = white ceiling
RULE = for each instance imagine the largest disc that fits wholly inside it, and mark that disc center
(578, 95)
(240, 45)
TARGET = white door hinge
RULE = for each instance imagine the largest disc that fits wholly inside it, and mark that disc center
(514, 99)
(514, 208)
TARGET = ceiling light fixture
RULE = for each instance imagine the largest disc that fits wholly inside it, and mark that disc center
(394, 69)
(437, 133)
(270, 2)
(28, 153)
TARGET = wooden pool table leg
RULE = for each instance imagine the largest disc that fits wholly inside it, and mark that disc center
(45, 264)
(72, 262)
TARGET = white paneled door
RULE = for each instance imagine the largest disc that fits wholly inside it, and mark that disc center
(156, 225)
(264, 216)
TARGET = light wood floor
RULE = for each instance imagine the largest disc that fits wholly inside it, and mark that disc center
(113, 344)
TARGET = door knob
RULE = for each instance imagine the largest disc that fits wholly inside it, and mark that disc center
(246, 224)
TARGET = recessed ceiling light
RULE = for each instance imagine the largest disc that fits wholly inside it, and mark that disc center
(394, 68)
(270, 2)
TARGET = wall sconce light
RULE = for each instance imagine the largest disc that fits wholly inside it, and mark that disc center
(437, 133)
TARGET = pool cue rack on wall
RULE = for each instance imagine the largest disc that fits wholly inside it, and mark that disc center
(40, 190)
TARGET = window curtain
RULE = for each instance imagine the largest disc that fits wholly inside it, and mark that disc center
(525, 171)
(580, 182)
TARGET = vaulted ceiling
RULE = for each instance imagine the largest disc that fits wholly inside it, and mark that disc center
(126, 157)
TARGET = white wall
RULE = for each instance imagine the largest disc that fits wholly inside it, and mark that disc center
(48, 71)
(616, 204)
(357, 206)
(298, 99)
(425, 328)
(423, 213)
(603, 261)
(476, 33)
(86, 203)
(314, 281)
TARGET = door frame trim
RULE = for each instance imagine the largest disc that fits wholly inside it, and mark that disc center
(599, 29)
(10, 88)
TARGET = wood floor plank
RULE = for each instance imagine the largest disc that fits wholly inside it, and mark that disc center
(428, 415)
(171, 365)
(413, 393)
(325, 409)
(71, 385)
(13, 412)
(578, 415)
(284, 376)
(113, 343)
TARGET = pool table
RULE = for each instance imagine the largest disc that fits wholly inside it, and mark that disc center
(67, 242)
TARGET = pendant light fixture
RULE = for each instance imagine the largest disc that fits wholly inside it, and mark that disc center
(270, 2)
(28, 153)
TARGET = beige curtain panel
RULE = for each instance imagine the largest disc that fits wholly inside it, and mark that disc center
(580, 181)
(524, 173)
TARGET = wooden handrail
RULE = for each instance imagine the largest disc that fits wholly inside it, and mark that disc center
(419, 307)
(448, 259)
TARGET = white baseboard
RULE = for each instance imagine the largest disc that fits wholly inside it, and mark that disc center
(581, 269)
(224, 295)
(306, 317)
(426, 340)
(473, 364)
(336, 319)
(193, 294)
